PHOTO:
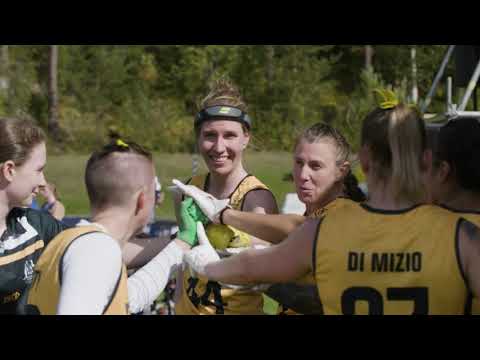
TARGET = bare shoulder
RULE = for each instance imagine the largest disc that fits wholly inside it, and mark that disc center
(260, 199)
(468, 245)
(470, 230)
(468, 235)
(468, 242)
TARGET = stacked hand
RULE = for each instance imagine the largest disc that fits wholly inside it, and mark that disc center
(209, 205)
(202, 255)
(190, 214)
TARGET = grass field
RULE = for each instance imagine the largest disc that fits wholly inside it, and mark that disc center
(67, 173)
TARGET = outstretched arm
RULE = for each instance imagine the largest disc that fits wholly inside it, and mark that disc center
(146, 285)
(271, 228)
(259, 203)
(281, 263)
(89, 276)
(139, 251)
(253, 220)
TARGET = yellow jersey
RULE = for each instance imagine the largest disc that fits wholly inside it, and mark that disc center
(303, 293)
(203, 297)
(44, 293)
(369, 261)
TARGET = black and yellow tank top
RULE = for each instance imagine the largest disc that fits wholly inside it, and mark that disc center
(303, 293)
(203, 297)
(474, 218)
(43, 295)
(28, 233)
(368, 261)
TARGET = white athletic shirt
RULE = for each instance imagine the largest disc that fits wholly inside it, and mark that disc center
(91, 269)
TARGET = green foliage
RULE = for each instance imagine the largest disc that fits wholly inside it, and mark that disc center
(362, 102)
(354, 110)
(3, 111)
(150, 93)
(23, 81)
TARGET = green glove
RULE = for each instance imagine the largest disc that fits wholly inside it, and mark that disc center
(190, 214)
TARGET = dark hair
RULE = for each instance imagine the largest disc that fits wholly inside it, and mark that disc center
(397, 139)
(104, 188)
(119, 146)
(17, 140)
(352, 190)
(459, 145)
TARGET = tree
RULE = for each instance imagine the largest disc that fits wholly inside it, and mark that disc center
(4, 67)
(413, 52)
(270, 67)
(53, 125)
(4, 74)
(151, 92)
(368, 57)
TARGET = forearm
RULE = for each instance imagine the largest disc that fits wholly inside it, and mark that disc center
(282, 263)
(271, 228)
(139, 251)
(146, 285)
(234, 270)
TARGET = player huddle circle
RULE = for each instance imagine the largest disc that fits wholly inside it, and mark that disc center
(409, 246)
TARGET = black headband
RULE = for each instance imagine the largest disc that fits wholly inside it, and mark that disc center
(223, 112)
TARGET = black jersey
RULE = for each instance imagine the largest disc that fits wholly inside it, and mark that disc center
(28, 233)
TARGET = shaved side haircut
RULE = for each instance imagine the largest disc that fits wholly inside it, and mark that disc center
(116, 172)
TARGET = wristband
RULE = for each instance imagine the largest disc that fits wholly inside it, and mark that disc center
(221, 214)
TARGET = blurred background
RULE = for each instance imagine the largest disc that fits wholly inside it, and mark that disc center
(84, 94)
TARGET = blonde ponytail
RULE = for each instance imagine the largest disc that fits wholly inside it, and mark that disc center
(396, 138)
(407, 139)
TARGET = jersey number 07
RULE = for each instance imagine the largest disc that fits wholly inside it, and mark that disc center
(419, 296)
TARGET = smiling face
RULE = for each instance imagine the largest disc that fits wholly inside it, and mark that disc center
(316, 172)
(26, 179)
(221, 144)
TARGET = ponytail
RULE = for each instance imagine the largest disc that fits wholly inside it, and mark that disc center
(397, 140)
(407, 139)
